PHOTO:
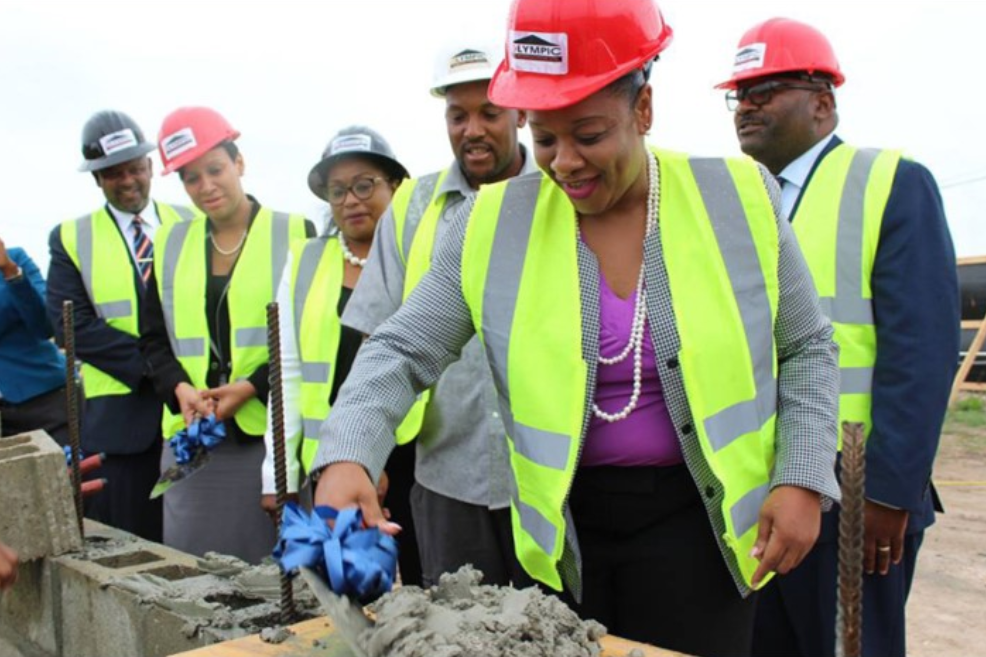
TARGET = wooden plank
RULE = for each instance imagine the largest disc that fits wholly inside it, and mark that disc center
(971, 260)
(972, 386)
(315, 638)
(968, 361)
(971, 324)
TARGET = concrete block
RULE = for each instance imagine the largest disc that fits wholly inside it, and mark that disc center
(123, 596)
(29, 613)
(37, 510)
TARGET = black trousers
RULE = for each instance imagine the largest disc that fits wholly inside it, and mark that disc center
(124, 502)
(652, 570)
(452, 533)
(400, 471)
(46, 411)
(796, 613)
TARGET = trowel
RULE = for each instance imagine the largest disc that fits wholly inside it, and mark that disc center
(348, 619)
(180, 472)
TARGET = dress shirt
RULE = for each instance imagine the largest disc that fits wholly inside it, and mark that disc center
(149, 221)
(794, 176)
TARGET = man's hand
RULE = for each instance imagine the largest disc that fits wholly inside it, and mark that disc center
(346, 484)
(790, 520)
(883, 539)
(8, 567)
(229, 398)
(8, 268)
(192, 403)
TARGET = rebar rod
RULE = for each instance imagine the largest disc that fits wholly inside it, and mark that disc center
(72, 408)
(276, 402)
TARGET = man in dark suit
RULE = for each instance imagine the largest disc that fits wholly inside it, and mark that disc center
(101, 262)
(872, 228)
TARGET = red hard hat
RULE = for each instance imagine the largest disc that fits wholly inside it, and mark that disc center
(782, 45)
(190, 132)
(562, 51)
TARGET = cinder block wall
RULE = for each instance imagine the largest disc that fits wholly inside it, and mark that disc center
(114, 595)
(37, 511)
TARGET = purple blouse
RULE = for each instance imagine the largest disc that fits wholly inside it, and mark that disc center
(646, 436)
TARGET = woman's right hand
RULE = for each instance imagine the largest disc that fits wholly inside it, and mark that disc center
(192, 403)
(346, 484)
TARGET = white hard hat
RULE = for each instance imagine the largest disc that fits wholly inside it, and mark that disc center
(462, 61)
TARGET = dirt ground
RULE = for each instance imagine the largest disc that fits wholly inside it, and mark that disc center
(946, 612)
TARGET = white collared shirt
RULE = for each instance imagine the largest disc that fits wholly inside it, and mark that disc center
(149, 221)
(795, 175)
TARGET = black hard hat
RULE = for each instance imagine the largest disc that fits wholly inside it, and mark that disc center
(355, 140)
(109, 138)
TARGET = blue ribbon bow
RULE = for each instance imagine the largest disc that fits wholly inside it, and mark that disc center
(205, 432)
(359, 563)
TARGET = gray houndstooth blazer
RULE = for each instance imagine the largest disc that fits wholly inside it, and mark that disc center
(408, 353)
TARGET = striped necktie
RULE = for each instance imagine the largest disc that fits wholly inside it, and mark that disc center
(143, 250)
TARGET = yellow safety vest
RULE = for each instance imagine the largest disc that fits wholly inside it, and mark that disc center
(102, 256)
(317, 274)
(838, 224)
(417, 198)
(520, 278)
(180, 270)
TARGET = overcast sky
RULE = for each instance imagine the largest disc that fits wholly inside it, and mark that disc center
(289, 74)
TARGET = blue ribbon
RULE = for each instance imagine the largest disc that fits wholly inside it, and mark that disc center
(359, 563)
(205, 432)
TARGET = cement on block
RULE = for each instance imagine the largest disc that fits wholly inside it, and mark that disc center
(37, 509)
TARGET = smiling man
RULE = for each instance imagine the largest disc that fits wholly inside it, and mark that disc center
(873, 231)
(101, 262)
(460, 486)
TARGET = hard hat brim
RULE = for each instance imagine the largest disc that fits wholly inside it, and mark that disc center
(185, 159)
(317, 175)
(767, 72)
(441, 87)
(127, 154)
(534, 91)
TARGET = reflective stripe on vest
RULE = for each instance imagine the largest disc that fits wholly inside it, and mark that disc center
(520, 279)
(101, 253)
(180, 269)
(838, 223)
(737, 425)
(316, 285)
(417, 209)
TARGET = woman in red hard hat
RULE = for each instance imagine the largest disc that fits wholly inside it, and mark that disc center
(666, 380)
(204, 336)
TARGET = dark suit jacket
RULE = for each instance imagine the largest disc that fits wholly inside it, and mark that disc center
(916, 305)
(116, 424)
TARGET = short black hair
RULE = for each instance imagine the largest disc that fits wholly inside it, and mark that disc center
(630, 84)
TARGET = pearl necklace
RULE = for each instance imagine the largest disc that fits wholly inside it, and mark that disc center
(236, 248)
(349, 255)
(636, 340)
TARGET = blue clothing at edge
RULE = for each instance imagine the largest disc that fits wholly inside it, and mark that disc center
(30, 363)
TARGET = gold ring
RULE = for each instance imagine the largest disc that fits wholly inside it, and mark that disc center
(883, 548)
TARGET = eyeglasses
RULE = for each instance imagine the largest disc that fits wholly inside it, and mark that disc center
(761, 94)
(362, 188)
